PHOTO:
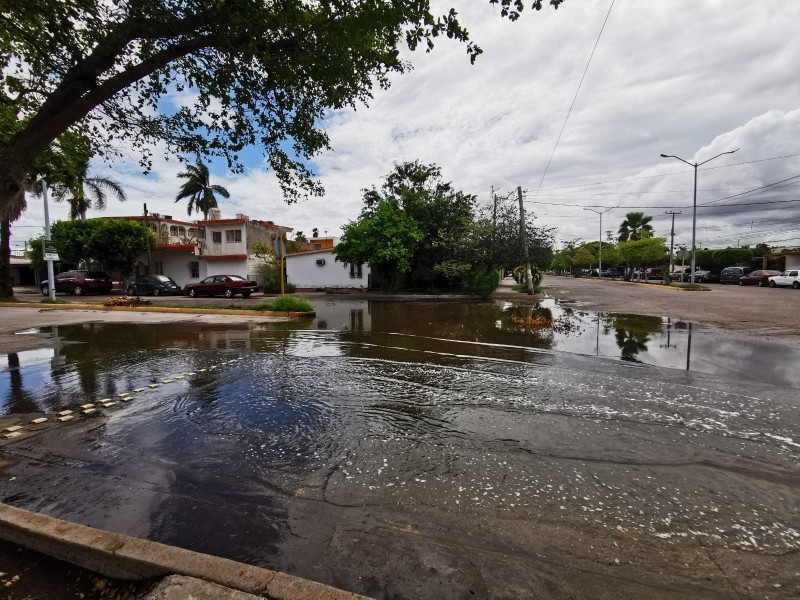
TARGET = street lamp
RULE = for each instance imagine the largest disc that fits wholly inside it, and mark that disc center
(600, 251)
(694, 205)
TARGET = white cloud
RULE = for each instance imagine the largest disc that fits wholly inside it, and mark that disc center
(681, 77)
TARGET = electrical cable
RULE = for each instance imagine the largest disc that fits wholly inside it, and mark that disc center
(580, 83)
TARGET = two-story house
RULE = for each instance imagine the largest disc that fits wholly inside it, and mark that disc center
(190, 251)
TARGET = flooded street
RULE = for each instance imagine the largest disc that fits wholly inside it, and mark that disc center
(427, 450)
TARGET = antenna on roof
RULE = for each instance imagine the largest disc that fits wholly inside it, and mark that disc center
(145, 209)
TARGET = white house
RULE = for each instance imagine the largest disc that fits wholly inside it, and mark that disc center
(319, 269)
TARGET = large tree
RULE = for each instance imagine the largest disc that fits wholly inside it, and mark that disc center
(202, 194)
(257, 73)
(114, 244)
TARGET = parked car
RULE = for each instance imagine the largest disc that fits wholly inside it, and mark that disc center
(733, 274)
(157, 285)
(759, 278)
(790, 277)
(655, 273)
(686, 272)
(711, 276)
(221, 285)
(79, 282)
(613, 272)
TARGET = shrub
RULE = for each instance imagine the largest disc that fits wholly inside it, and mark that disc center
(483, 281)
(288, 303)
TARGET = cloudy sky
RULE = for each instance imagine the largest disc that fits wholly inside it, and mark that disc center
(688, 78)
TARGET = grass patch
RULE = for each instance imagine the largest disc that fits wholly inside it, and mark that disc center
(691, 287)
(288, 303)
(522, 287)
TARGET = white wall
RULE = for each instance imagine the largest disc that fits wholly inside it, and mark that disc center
(303, 271)
(223, 267)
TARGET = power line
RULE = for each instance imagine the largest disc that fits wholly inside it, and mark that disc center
(580, 83)
(748, 162)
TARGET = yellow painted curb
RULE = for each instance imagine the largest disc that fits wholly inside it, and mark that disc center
(164, 309)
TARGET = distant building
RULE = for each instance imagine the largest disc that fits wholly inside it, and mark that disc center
(790, 255)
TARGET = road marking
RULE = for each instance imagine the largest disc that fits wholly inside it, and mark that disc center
(64, 413)
(66, 417)
(39, 420)
(13, 428)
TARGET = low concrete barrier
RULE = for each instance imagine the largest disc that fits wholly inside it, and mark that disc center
(124, 557)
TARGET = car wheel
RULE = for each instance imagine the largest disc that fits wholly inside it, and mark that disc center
(772, 284)
(245, 295)
(760, 283)
(741, 282)
(77, 290)
(229, 293)
(156, 292)
(796, 285)
(45, 290)
(192, 293)
(131, 291)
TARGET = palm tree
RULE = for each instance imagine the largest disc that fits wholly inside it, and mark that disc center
(198, 189)
(90, 192)
(636, 226)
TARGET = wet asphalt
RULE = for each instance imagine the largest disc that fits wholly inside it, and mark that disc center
(427, 450)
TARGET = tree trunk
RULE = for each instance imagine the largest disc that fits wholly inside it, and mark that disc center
(6, 289)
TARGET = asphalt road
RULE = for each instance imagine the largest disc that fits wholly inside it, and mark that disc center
(763, 314)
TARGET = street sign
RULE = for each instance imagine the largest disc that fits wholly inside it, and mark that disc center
(279, 246)
(50, 252)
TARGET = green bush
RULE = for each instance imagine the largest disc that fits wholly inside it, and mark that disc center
(272, 284)
(483, 281)
(288, 303)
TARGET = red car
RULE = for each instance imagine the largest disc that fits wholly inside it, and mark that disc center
(759, 278)
(221, 285)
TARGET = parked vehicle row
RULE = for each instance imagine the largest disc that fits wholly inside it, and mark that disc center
(790, 277)
(79, 282)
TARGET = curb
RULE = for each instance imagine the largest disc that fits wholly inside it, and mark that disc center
(124, 557)
(164, 309)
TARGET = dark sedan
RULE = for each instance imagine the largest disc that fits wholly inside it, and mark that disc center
(156, 285)
(79, 282)
(221, 285)
(759, 278)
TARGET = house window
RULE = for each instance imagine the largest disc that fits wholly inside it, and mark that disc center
(159, 267)
(356, 271)
(233, 235)
(216, 237)
(194, 232)
(173, 230)
(194, 267)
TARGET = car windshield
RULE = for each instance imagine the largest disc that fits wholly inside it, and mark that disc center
(163, 278)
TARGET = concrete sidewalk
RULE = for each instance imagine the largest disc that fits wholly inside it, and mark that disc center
(123, 557)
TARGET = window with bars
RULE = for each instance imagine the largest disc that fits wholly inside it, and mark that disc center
(233, 235)
(216, 237)
(356, 271)
(194, 267)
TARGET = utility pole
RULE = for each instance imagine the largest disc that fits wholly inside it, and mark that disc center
(672, 239)
(600, 249)
(51, 280)
(524, 233)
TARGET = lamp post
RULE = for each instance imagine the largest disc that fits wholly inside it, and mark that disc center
(600, 250)
(694, 204)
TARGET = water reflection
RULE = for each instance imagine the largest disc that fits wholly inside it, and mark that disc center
(95, 359)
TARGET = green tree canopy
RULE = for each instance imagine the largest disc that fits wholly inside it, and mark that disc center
(114, 244)
(258, 73)
(640, 253)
